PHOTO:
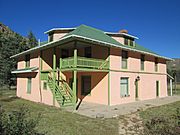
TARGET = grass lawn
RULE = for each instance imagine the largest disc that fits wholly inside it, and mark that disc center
(165, 110)
(55, 121)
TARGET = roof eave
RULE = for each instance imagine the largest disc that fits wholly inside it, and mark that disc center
(34, 69)
(55, 29)
(41, 47)
(123, 47)
(88, 39)
(125, 34)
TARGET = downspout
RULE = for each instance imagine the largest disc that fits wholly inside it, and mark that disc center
(40, 68)
(109, 76)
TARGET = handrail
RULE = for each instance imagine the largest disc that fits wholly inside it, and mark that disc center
(68, 89)
(85, 62)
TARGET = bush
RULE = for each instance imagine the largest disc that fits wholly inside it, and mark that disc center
(18, 122)
(163, 125)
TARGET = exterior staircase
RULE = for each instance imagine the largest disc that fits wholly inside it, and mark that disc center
(62, 92)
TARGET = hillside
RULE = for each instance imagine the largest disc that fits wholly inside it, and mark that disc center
(11, 43)
(174, 65)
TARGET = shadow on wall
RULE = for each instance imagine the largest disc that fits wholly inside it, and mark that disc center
(96, 78)
(27, 75)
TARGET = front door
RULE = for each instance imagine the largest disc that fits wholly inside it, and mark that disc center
(136, 89)
(157, 88)
(85, 85)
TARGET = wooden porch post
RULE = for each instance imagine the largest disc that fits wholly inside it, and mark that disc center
(54, 74)
(74, 77)
(171, 87)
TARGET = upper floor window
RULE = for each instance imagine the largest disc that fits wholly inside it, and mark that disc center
(156, 65)
(129, 42)
(64, 53)
(87, 52)
(142, 61)
(124, 59)
(27, 60)
(126, 41)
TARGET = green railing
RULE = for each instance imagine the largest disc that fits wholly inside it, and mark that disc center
(83, 62)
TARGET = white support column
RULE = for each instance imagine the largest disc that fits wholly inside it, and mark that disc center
(171, 87)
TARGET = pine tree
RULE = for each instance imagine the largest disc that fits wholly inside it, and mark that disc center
(32, 41)
(11, 43)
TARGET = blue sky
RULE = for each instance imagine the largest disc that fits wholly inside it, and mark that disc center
(155, 22)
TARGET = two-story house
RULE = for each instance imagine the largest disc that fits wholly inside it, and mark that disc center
(91, 65)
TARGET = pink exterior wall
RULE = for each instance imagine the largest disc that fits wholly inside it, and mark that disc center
(22, 79)
(47, 59)
(119, 39)
(57, 36)
(148, 77)
(99, 92)
(99, 86)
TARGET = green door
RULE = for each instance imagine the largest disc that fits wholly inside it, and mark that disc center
(157, 88)
(136, 85)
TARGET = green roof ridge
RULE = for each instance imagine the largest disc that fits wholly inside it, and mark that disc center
(93, 33)
(96, 34)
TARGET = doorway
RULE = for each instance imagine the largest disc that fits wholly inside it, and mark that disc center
(157, 88)
(136, 89)
(85, 85)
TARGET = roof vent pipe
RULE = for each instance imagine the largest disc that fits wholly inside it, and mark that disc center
(123, 31)
(39, 42)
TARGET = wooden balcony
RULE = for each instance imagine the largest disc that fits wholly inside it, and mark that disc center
(83, 62)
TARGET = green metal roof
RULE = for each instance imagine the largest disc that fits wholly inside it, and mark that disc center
(93, 35)
(25, 70)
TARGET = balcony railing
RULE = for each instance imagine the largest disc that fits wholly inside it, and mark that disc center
(83, 62)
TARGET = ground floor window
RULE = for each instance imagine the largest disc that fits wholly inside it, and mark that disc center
(29, 81)
(86, 85)
(45, 85)
(124, 92)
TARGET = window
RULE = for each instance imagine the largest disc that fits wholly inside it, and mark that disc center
(27, 60)
(50, 37)
(29, 81)
(124, 92)
(86, 85)
(126, 41)
(64, 53)
(142, 61)
(156, 65)
(87, 52)
(131, 43)
(124, 59)
(45, 85)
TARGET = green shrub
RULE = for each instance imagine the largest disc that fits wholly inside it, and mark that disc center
(161, 125)
(18, 122)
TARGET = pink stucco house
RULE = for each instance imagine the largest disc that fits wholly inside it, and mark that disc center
(87, 64)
